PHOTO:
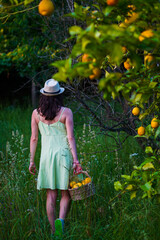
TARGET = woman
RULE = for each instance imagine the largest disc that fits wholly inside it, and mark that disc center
(58, 150)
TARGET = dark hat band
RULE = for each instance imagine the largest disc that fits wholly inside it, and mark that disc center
(51, 92)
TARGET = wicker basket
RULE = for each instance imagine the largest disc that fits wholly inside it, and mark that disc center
(82, 192)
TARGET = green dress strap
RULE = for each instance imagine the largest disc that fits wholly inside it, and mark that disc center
(61, 114)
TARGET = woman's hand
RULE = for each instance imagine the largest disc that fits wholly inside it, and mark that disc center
(32, 168)
(77, 168)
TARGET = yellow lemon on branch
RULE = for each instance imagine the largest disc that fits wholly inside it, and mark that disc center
(46, 8)
(112, 2)
(149, 61)
(154, 123)
(127, 64)
(146, 34)
(141, 131)
(86, 58)
(96, 73)
(132, 17)
(135, 111)
(124, 50)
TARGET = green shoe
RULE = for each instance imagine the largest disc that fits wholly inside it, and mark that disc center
(59, 227)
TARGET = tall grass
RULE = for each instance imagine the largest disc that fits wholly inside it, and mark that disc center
(103, 216)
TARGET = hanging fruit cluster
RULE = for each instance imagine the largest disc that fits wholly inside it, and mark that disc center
(141, 130)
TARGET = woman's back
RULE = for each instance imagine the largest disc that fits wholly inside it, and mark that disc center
(60, 117)
(53, 135)
(55, 154)
(53, 127)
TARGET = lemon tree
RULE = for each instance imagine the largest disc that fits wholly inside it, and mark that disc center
(123, 38)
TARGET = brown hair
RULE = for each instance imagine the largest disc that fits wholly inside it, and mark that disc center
(49, 106)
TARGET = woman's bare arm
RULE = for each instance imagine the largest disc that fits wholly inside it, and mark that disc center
(71, 139)
(33, 142)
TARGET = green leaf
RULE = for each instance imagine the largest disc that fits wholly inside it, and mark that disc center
(138, 98)
(133, 94)
(147, 160)
(146, 186)
(90, 28)
(144, 195)
(68, 63)
(60, 76)
(116, 53)
(148, 130)
(75, 30)
(85, 42)
(157, 132)
(128, 177)
(143, 115)
(117, 186)
(111, 31)
(136, 61)
(76, 50)
(72, 14)
(146, 96)
(135, 173)
(129, 187)
(148, 166)
(133, 195)
(110, 81)
(132, 85)
(59, 64)
(97, 6)
(114, 95)
(149, 194)
(148, 149)
(108, 10)
(118, 88)
(82, 71)
(153, 84)
(145, 176)
(144, 136)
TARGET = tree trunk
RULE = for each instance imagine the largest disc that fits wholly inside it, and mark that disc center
(34, 95)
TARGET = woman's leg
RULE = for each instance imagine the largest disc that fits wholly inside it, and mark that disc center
(64, 204)
(51, 206)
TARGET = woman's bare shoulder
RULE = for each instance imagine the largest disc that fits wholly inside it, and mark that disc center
(35, 114)
(68, 111)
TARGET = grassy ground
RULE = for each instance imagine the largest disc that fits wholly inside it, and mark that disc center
(22, 207)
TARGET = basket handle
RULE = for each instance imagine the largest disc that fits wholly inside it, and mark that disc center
(85, 172)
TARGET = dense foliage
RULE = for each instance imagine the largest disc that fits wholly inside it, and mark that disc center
(29, 42)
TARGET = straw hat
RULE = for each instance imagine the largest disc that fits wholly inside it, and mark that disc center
(51, 88)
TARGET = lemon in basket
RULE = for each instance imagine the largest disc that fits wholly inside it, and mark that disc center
(72, 184)
(77, 185)
(88, 180)
(83, 182)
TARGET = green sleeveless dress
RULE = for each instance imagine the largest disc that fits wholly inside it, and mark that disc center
(56, 158)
